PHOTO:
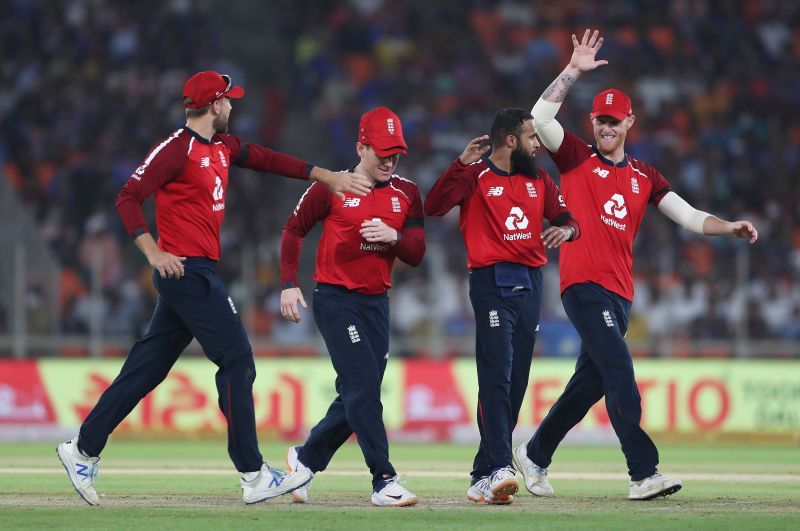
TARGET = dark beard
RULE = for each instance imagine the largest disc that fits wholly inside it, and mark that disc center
(523, 163)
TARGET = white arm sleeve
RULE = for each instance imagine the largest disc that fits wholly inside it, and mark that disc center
(678, 210)
(547, 127)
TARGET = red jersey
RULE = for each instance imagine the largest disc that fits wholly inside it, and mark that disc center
(189, 175)
(609, 200)
(501, 213)
(344, 257)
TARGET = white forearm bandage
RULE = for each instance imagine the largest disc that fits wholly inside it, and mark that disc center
(675, 208)
(550, 132)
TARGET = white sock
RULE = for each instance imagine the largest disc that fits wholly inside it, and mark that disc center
(250, 476)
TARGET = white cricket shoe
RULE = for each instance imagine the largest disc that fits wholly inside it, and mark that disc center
(271, 483)
(653, 487)
(481, 492)
(393, 494)
(300, 494)
(81, 470)
(535, 476)
(503, 482)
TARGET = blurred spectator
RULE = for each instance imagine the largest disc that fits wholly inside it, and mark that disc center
(715, 85)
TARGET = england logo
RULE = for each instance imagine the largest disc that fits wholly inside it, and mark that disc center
(390, 125)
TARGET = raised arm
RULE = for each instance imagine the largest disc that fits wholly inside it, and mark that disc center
(458, 182)
(678, 210)
(544, 111)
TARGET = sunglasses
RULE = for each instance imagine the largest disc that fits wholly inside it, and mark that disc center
(229, 81)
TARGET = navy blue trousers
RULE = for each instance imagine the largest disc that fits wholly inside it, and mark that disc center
(356, 331)
(196, 305)
(506, 323)
(604, 368)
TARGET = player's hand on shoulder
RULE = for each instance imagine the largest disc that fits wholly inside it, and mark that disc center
(375, 230)
(341, 182)
(289, 299)
(584, 52)
(168, 265)
(553, 237)
(745, 230)
(476, 148)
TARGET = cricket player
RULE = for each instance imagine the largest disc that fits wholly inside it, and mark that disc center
(188, 173)
(361, 237)
(609, 191)
(503, 199)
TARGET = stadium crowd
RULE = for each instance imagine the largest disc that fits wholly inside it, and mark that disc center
(86, 86)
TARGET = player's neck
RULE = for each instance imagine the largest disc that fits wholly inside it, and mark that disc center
(362, 171)
(616, 156)
(501, 159)
(201, 126)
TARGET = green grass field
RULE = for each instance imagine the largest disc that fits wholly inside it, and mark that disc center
(191, 485)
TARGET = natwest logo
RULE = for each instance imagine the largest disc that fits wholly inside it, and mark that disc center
(516, 219)
(616, 206)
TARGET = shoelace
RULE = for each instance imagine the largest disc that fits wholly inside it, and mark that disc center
(504, 471)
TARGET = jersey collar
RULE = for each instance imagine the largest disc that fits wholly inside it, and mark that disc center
(495, 169)
(377, 184)
(196, 135)
(621, 164)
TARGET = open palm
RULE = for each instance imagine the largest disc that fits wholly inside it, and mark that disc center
(585, 51)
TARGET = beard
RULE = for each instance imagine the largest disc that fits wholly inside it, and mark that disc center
(220, 124)
(523, 163)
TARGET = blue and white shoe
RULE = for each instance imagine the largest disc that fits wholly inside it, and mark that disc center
(271, 483)
(503, 482)
(390, 493)
(481, 492)
(82, 470)
(300, 494)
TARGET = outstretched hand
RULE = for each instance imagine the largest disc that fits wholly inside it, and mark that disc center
(745, 230)
(584, 52)
(341, 182)
(474, 151)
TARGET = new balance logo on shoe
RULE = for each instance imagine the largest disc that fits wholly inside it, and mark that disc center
(83, 470)
(276, 481)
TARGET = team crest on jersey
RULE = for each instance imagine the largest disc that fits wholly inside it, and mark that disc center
(601, 172)
(634, 185)
(395, 204)
(531, 190)
(352, 202)
(223, 160)
(494, 191)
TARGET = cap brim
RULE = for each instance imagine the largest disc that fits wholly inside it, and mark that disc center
(235, 92)
(387, 152)
(617, 115)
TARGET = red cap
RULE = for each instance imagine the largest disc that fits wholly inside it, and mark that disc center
(612, 102)
(381, 129)
(203, 88)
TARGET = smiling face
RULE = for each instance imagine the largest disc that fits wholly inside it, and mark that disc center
(378, 169)
(610, 133)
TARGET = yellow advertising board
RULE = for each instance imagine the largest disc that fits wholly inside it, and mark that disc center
(437, 399)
